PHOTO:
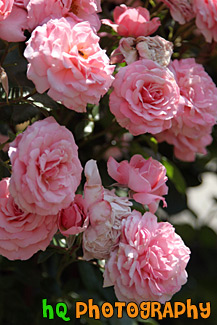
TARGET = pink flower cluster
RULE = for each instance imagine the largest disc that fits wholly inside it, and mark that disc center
(46, 172)
(175, 101)
(63, 51)
(191, 128)
(21, 15)
(145, 260)
(40, 197)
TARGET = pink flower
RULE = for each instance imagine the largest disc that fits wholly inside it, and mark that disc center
(66, 58)
(105, 210)
(149, 262)
(191, 128)
(145, 97)
(181, 11)
(12, 28)
(39, 12)
(46, 170)
(133, 21)
(73, 220)
(5, 8)
(206, 21)
(146, 178)
(22, 234)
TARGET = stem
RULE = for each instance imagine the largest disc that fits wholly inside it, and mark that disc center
(4, 54)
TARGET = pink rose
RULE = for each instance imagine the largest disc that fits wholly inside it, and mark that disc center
(105, 210)
(149, 262)
(66, 58)
(22, 234)
(145, 97)
(5, 8)
(192, 126)
(146, 179)
(73, 220)
(181, 11)
(206, 21)
(46, 170)
(12, 28)
(133, 22)
(39, 12)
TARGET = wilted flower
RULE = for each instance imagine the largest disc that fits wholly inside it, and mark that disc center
(105, 211)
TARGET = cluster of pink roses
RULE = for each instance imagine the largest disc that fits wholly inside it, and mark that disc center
(151, 94)
(46, 172)
(173, 100)
(144, 259)
(63, 51)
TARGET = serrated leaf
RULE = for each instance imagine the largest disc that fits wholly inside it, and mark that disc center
(174, 175)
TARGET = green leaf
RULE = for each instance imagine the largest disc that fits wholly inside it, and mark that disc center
(174, 175)
(43, 256)
(137, 149)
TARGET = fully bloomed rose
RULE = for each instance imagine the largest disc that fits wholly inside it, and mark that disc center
(133, 22)
(145, 178)
(105, 211)
(73, 220)
(181, 11)
(149, 262)
(46, 170)
(192, 126)
(145, 97)
(206, 21)
(5, 8)
(65, 58)
(22, 234)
